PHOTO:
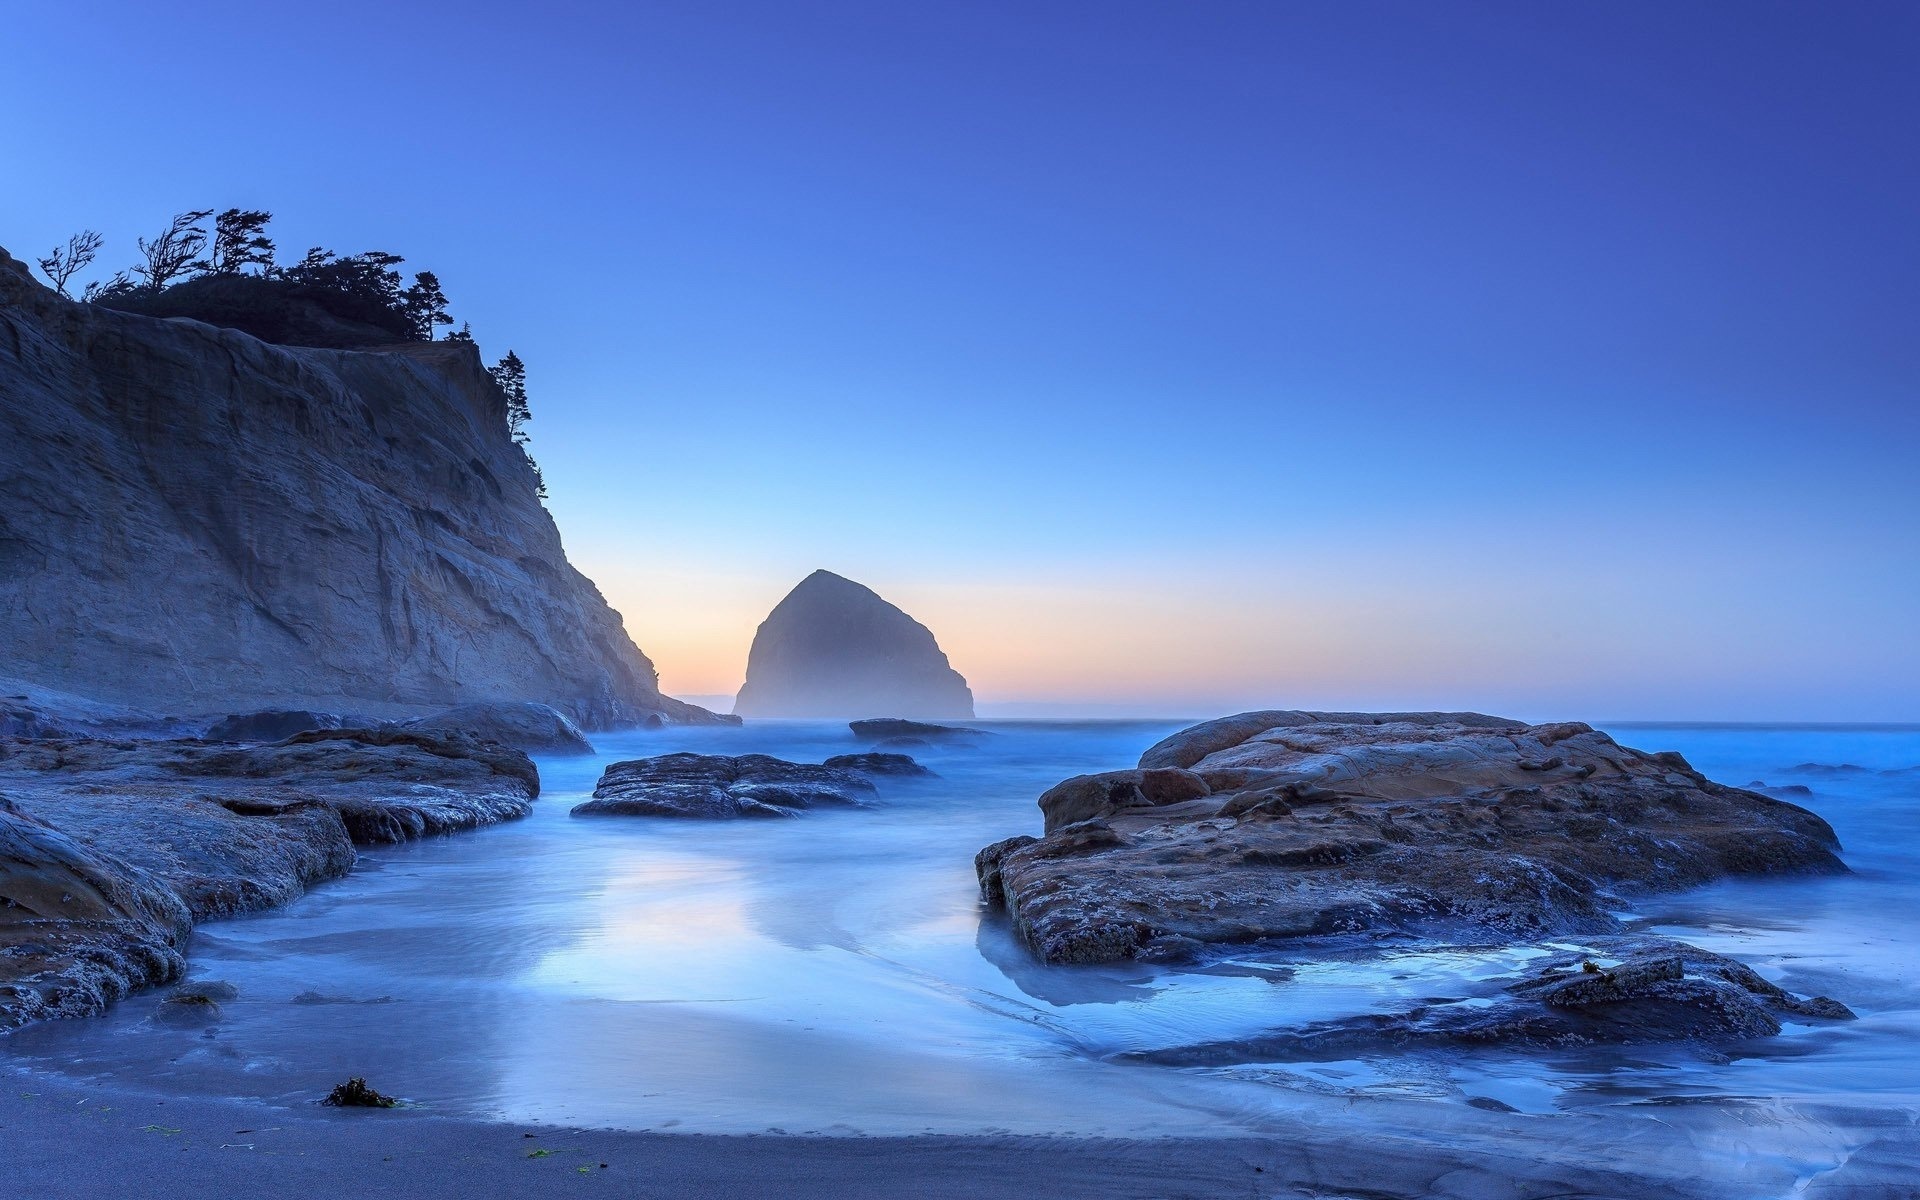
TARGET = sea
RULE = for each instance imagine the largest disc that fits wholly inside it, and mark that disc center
(837, 974)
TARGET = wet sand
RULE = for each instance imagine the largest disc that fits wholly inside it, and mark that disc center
(61, 1140)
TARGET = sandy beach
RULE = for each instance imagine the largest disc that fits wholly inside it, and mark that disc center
(63, 1140)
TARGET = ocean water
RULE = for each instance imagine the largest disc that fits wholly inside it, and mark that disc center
(837, 973)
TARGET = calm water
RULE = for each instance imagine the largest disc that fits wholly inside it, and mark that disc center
(837, 973)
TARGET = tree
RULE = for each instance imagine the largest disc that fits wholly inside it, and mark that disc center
(511, 374)
(425, 305)
(462, 334)
(66, 261)
(173, 253)
(239, 242)
(120, 285)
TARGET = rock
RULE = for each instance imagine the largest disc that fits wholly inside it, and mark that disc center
(895, 744)
(269, 725)
(187, 1008)
(893, 732)
(833, 648)
(201, 521)
(110, 849)
(28, 710)
(715, 786)
(535, 728)
(1649, 990)
(1087, 796)
(876, 764)
(1459, 826)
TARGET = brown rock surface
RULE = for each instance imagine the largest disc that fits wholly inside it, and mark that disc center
(1435, 824)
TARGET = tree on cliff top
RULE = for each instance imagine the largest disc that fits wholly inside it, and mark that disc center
(174, 252)
(239, 242)
(425, 305)
(66, 261)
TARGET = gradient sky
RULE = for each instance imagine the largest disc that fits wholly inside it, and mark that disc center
(1556, 360)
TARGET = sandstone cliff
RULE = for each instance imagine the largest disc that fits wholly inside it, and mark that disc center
(833, 648)
(196, 520)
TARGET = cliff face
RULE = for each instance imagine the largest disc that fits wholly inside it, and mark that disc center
(196, 520)
(834, 648)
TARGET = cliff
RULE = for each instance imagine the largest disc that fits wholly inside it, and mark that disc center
(834, 648)
(196, 520)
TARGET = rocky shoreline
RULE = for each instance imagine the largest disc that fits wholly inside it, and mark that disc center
(1286, 828)
(112, 849)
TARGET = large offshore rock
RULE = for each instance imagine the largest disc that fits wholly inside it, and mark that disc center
(110, 849)
(721, 787)
(535, 728)
(198, 521)
(833, 648)
(1283, 825)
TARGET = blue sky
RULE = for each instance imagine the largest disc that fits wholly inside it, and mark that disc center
(1550, 359)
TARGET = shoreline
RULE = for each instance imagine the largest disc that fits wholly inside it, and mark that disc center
(67, 1138)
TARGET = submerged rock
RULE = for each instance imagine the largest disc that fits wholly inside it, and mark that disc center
(269, 725)
(833, 648)
(893, 732)
(1616, 991)
(877, 764)
(535, 728)
(111, 849)
(1278, 825)
(718, 787)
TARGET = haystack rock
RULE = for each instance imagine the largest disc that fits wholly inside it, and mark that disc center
(833, 648)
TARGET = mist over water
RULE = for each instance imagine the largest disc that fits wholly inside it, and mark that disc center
(837, 973)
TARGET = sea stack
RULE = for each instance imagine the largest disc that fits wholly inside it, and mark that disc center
(833, 648)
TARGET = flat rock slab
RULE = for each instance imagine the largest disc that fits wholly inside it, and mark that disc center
(1614, 991)
(1282, 825)
(722, 787)
(111, 849)
(534, 728)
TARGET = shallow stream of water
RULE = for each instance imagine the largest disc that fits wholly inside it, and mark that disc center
(837, 972)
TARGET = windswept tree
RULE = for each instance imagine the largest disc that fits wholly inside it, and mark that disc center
(425, 305)
(511, 374)
(67, 261)
(174, 252)
(120, 285)
(240, 241)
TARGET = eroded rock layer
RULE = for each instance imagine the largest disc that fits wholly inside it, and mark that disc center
(197, 521)
(110, 849)
(1288, 825)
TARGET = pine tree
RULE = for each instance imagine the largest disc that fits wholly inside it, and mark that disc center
(511, 374)
(425, 305)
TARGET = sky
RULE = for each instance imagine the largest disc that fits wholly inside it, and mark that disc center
(1550, 360)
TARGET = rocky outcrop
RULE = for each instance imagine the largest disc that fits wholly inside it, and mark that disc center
(833, 648)
(535, 728)
(111, 849)
(269, 725)
(877, 764)
(720, 787)
(1615, 991)
(1284, 825)
(198, 521)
